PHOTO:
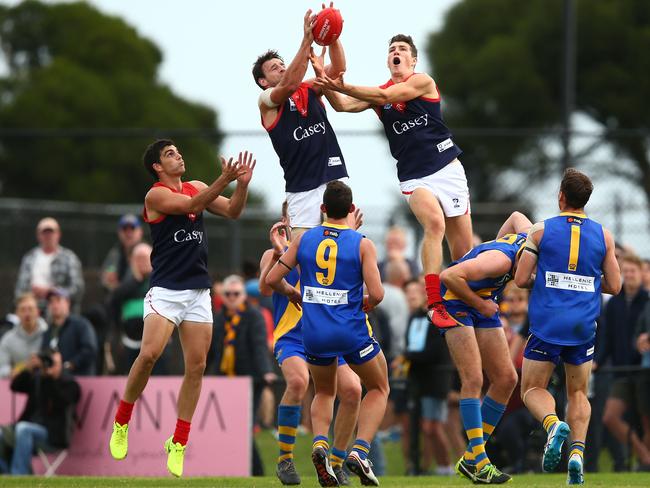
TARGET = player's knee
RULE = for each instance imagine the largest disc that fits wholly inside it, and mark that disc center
(508, 380)
(351, 393)
(297, 385)
(434, 226)
(148, 358)
(195, 369)
(473, 383)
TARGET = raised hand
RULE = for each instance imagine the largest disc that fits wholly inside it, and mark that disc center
(278, 237)
(327, 83)
(358, 218)
(247, 165)
(230, 169)
(308, 24)
(318, 62)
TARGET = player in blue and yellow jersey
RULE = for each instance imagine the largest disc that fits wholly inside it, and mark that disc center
(335, 261)
(568, 261)
(431, 177)
(471, 287)
(294, 116)
(290, 354)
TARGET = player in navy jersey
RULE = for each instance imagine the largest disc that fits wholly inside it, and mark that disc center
(290, 354)
(569, 260)
(294, 116)
(432, 179)
(179, 294)
(335, 262)
(470, 289)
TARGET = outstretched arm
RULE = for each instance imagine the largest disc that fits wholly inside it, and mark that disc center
(275, 277)
(278, 239)
(489, 264)
(161, 200)
(416, 86)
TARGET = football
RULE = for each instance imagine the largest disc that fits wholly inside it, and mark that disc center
(328, 26)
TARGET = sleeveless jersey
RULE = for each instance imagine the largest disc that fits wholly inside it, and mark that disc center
(510, 245)
(180, 249)
(417, 136)
(305, 142)
(565, 300)
(286, 317)
(331, 279)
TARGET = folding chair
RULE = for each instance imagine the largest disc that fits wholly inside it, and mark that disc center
(57, 456)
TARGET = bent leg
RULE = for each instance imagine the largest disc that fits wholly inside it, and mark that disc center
(349, 394)
(324, 392)
(374, 376)
(535, 376)
(459, 235)
(195, 340)
(427, 210)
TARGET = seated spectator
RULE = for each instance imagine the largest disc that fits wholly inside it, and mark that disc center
(50, 266)
(117, 261)
(71, 335)
(24, 340)
(395, 252)
(48, 418)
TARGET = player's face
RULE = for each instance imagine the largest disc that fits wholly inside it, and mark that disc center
(400, 59)
(273, 70)
(172, 161)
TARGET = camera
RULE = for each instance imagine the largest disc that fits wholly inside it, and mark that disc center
(46, 359)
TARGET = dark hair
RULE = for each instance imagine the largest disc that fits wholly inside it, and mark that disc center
(408, 40)
(576, 187)
(257, 65)
(632, 259)
(152, 154)
(337, 199)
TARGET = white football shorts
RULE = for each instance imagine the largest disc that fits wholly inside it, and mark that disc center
(303, 208)
(179, 305)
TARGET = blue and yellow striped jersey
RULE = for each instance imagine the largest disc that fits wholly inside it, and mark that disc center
(333, 322)
(565, 301)
(510, 245)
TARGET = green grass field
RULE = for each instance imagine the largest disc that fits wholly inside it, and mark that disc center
(268, 449)
(610, 480)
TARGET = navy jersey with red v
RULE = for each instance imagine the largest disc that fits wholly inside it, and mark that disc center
(510, 245)
(331, 279)
(417, 135)
(305, 142)
(180, 249)
(565, 300)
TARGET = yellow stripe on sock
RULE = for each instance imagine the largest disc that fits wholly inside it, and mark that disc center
(481, 464)
(324, 444)
(549, 421)
(474, 433)
(284, 446)
(285, 456)
(488, 429)
(469, 456)
(576, 451)
(361, 448)
(286, 430)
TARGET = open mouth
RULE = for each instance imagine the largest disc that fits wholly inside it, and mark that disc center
(396, 61)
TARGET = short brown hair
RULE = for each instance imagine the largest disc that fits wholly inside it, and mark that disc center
(337, 199)
(257, 65)
(576, 187)
(151, 155)
(632, 259)
(25, 296)
(408, 40)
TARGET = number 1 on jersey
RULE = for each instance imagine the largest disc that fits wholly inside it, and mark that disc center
(574, 247)
(327, 263)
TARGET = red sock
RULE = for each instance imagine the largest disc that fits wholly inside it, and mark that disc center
(182, 432)
(123, 414)
(432, 284)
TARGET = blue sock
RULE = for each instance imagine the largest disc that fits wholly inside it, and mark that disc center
(362, 448)
(288, 419)
(491, 413)
(470, 412)
(337, 456)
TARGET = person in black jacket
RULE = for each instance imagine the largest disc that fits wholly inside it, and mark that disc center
(622, 313)
(47, 419)
(429, 378)
(71, 335)
(239, 345)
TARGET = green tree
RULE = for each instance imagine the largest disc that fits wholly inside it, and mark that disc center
(73, 67)
(501, 66)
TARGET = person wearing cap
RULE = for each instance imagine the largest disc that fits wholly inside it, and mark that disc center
(50, 265)
(70, 334)
(116, 263)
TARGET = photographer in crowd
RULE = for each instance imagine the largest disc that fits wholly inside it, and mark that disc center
(47, 420)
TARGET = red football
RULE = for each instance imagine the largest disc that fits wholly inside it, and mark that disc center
(328, 26)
